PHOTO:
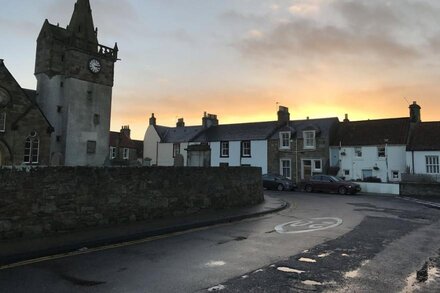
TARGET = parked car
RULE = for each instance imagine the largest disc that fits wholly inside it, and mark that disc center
(327, 183)
(278, 182)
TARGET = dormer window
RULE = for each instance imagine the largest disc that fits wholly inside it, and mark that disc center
(309, 139)
(285, 140)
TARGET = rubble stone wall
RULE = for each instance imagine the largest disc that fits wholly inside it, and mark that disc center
(47, 201)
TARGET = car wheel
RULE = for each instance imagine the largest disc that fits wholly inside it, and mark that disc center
(280, 187)
(342, 190)
(309, 188)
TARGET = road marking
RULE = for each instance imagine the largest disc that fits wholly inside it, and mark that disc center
(308, 225)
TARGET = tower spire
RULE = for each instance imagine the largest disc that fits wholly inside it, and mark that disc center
(81, 23)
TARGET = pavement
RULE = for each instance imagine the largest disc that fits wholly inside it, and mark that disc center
(16, 251)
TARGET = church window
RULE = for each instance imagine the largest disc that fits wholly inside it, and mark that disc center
(91, 146)
(2, 121)
(31, 149)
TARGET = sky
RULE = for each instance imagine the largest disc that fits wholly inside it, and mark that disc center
(240, 59)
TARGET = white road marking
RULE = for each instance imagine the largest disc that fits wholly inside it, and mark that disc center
(310, 282)
(215, 263)
(216, 288)
(308, 225)
(305, 259)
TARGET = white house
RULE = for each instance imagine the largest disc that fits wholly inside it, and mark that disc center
(371, 149)
(423, 151)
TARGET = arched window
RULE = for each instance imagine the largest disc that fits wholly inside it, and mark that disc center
(31, 148)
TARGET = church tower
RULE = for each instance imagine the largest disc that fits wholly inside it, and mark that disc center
(74, 88)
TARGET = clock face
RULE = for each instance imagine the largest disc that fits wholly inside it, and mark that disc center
(94, 65)
(4, 97)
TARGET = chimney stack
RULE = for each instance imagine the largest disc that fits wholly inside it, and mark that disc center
(180, 123)
(283, 114)
(346, 118)
(414, 113)
(126, 130)
(152, 120)
(209, 120)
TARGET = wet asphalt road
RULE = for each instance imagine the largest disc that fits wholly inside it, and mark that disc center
(373, 244)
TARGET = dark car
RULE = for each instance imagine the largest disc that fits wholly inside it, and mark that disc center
(278, 182)
(327, 183)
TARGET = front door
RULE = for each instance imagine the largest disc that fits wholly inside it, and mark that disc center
(306, 169)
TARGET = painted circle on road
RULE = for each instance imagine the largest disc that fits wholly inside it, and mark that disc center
(308, 225)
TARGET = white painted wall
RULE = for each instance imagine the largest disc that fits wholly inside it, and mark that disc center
(165, 154)
(258, 154)
(419, 160)
(151, 139)
(380, 188)
(394, 161)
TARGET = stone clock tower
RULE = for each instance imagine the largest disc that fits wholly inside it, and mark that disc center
(74, 88)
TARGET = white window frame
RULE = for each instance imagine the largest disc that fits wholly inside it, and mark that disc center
(285, 140)
(224, 149)
(285, 168)
(381, 151)
(33, 151)
(113, 153)
(2, 121)
(393, 173)
(125, 153)
(246, 150)
(309, 142)
(432, 164)
(314, 165)
(358, 152)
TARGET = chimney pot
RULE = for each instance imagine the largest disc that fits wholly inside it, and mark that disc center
(152, 119)
(283, 114)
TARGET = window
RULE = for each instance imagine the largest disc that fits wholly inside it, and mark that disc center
(125, 153)
(61, 84)
(432, 165)
(224, 149)
(31, 149)
(309, 139)
(113, 153)
(59, 109)
(395, 174)
(347, 172)
(3, 122)
(358, 152)
(285, 168)
(367, 173)
(318, 166)
(91, 146)
(176, 149)
(246, 148)
(381, 152)
(284, 140)
(96, 119)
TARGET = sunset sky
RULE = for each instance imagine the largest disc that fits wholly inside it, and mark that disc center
(238, 58)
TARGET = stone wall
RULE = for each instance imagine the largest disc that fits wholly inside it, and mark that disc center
(47, 201)
(420, 190)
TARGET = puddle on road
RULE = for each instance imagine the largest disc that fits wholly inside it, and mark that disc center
(305, 259)
(324, 254)
(215, 263)
(289, 270)
(311, 282)
(217, 288)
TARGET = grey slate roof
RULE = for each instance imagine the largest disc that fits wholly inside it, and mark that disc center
(372, 132)
(238, 132)
(177, 134)
(322, 126)
(425, 137)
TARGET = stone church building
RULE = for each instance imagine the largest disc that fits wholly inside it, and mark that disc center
(24, 130)
(66, 121)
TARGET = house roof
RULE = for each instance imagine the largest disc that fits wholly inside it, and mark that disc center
(425, 136)
(139, 147)
(321, 125)
(118, 139)
(32, 95)
(372, 132)
(177, 134)
(240, 131)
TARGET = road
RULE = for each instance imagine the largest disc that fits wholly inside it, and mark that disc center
(333, 243)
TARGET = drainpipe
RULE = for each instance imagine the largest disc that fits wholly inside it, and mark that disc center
(157, 153)
(412, 167)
